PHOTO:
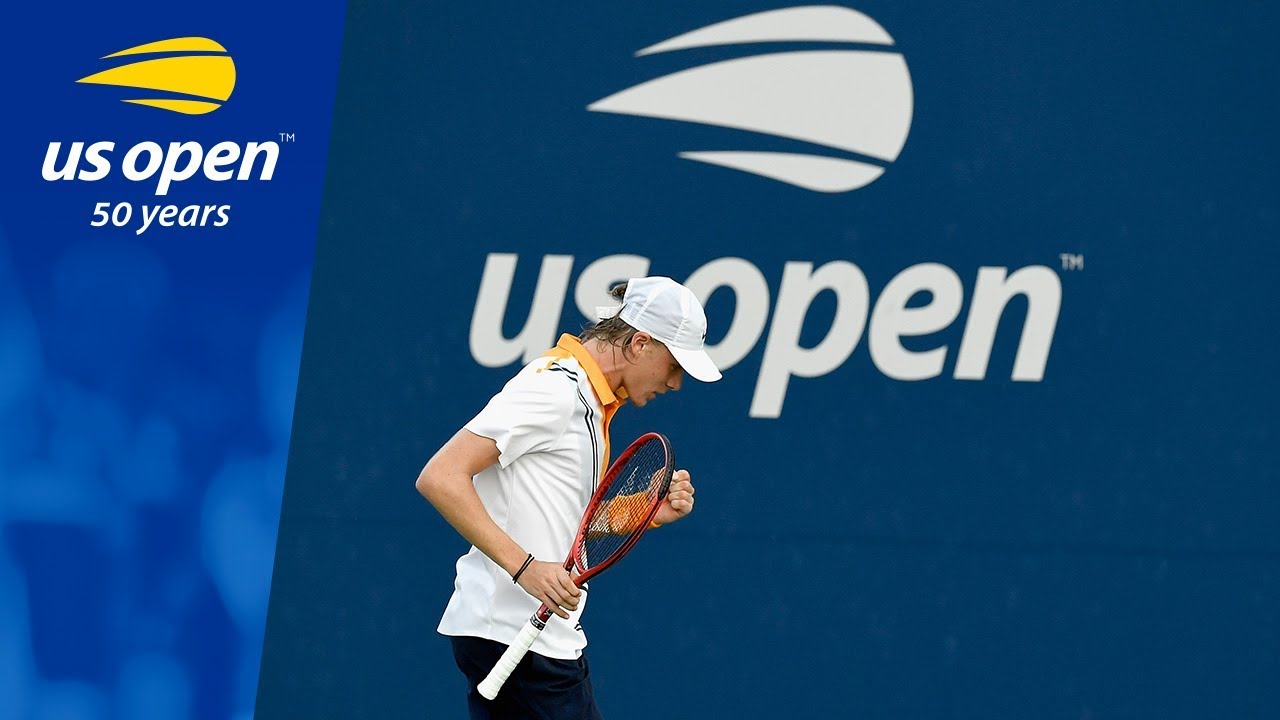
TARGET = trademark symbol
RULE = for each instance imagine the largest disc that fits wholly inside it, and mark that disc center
(286, 137)
(1071, 261)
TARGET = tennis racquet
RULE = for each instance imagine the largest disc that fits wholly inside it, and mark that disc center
(620, 511)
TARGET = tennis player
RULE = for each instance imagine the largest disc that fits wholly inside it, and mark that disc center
(517, 478)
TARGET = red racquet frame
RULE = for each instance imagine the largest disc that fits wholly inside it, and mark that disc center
(544, 612)
(511, 657)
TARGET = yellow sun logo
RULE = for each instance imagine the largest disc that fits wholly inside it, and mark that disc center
(208, 74)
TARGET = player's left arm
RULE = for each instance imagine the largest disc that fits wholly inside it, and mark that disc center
(679, 501)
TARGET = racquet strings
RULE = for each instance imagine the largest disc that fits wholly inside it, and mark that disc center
(640, 484)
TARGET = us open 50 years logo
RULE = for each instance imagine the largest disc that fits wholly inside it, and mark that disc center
(188, 76)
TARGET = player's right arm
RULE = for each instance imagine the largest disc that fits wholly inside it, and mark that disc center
(446, 482)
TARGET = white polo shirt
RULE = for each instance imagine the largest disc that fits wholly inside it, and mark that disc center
(551, 425)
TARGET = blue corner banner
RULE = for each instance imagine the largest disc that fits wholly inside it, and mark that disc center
(159, 199)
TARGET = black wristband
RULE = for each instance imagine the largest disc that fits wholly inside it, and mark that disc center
(527, 561)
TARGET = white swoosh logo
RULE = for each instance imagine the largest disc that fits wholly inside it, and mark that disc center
(819, 23)
(859, 101)
(811, 172)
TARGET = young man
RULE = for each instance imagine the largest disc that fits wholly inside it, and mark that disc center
(516, 480)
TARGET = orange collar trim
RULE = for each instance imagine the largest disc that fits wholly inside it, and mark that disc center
(572, 346)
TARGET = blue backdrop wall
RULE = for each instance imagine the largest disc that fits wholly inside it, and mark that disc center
(992, 284)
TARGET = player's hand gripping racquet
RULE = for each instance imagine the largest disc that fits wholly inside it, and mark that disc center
(619, 512)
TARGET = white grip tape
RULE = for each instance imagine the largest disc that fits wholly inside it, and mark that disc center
(511, 658)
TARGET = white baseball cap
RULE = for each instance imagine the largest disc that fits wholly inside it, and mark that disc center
(671, 313)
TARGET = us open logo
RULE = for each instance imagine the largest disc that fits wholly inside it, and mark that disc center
(185, 75)
(854, 102)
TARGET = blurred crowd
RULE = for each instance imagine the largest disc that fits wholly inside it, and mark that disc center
(144, 425)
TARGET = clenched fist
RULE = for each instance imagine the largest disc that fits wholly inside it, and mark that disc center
(679, 500)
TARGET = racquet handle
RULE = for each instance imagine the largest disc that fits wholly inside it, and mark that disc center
(511, 658)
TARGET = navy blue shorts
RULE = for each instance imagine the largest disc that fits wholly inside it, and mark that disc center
(541, 688)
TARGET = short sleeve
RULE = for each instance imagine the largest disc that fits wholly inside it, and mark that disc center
(530, 414)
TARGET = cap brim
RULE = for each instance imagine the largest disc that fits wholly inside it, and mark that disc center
(696, 362)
